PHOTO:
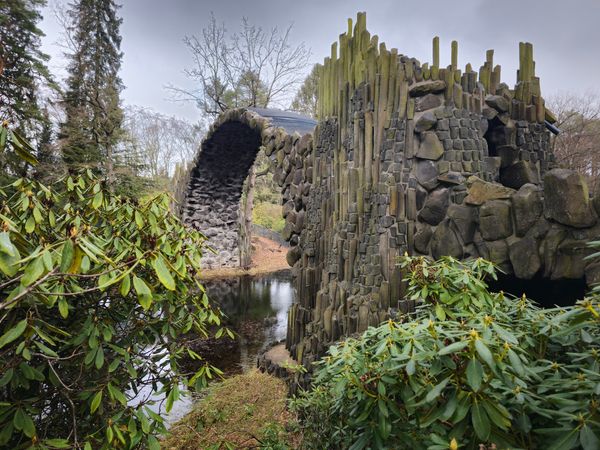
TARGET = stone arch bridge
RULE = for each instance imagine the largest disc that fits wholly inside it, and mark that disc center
(406, 157)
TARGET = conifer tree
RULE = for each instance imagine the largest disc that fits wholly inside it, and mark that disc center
(23, 73)
(92, 131)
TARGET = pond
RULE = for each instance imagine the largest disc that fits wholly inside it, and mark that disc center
(256, 310)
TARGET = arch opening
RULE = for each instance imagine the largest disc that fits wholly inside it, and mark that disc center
(215, 190)
(211, 191)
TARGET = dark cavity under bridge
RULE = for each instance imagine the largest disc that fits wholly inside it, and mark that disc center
(407, 157)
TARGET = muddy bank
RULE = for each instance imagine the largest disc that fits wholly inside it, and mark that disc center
(267, 256)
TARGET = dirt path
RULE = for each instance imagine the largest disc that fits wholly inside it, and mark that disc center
(267, 256)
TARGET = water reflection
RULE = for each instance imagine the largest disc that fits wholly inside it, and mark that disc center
(256, 309)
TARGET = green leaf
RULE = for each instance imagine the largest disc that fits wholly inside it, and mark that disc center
(96, 402)
(6, 377)
(163, 274)
(153, 443)
(46, 350)
(23, 422)
(99, 360)
(30, 225)
(440, 313)
(437, 390)
(57, 443)
(9, 264)
(474, 374)
(97, 201)
(37, 215)
(480, 421)
(143, 421)
(24, 150)
(6, 246)
(117, 394)
(361, 442)
(33, 271)
(63, 307)
(565, 441)
(505, 334)
(588, 439)
(143, 292)
(13, 333)
(484, 353)
(139, 220)
(3, 134)
(66, 259)
(411, 367)
(453, 348)
(125, 285)
(170, 401)
(516, 363)
(497, 414)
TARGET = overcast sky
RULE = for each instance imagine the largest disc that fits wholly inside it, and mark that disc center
(565, 37)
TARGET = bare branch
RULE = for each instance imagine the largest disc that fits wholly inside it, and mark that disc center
(251, 67)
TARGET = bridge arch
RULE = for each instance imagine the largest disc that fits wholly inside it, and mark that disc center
(210, 193)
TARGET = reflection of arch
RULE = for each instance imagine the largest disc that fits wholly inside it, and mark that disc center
(211, 191)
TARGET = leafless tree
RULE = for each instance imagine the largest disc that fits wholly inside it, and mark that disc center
(578, 145)
(159, 141)
(252, 67)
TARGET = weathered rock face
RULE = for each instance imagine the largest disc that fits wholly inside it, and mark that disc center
(435, 207)
(518, 174)
(527, 208)
(480, 191)
(566, 199)
(495, 220)
(418, 160)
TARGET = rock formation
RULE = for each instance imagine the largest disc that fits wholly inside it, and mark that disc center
(407, 158)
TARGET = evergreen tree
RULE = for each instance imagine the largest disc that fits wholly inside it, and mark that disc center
(24, 65)
(92, 131)
(23, 72)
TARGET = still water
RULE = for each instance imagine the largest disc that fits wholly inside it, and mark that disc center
(256, 310)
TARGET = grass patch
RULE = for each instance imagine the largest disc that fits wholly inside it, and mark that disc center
(269, 216)
(244, 411)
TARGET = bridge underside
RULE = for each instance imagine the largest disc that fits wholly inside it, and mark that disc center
(215, 189)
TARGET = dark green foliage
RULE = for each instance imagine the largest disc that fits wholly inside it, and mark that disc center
(470, 368)
(23, 72)
(96, 292)
(24, 64)
(92, 130)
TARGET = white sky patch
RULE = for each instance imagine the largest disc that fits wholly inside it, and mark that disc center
(565, 37)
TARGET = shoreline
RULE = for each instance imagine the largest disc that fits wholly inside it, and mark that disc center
(268, 256)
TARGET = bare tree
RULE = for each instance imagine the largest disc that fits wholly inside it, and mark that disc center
(252, 67)
(160, 142)
(578, 145)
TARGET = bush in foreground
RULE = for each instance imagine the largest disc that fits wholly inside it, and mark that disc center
(471, 369)
(95, 291)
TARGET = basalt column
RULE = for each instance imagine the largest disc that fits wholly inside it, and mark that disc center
(421, 159)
